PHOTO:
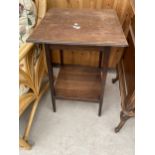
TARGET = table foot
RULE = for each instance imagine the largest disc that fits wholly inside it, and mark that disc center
(115, 79)
(100, 109)
(123, 119)
(54, 107)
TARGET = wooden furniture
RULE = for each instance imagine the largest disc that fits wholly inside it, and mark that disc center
(32, 77)
(126, 77)
(86, 29)
(85, 57)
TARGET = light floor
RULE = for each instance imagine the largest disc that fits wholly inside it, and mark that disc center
(75, 129)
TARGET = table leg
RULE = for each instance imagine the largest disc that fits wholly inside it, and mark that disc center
(123, 119)
(50, 74)
(104, 69)
(100, 59)
(61, 57)
(117, 76)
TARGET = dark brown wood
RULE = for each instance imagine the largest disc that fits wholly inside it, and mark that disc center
(128, 61)
(80, 27)
(104, 71)
(117, 76)
(128, 111)
(100, 59)
(61, 57)
(50, 74)
(79, 83)
(124, 11)
(86, 29)
(126, 74)
(123, 119)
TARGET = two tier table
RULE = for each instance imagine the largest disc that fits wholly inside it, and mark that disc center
(79, 29)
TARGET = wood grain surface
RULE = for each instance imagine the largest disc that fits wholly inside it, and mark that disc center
(80, 27)
(78, 83)
(124, 11)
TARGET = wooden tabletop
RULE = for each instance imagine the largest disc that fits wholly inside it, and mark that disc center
(80, 27)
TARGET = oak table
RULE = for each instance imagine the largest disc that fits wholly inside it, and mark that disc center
(86, 29)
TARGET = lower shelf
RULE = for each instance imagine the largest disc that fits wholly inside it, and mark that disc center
(78, 83)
